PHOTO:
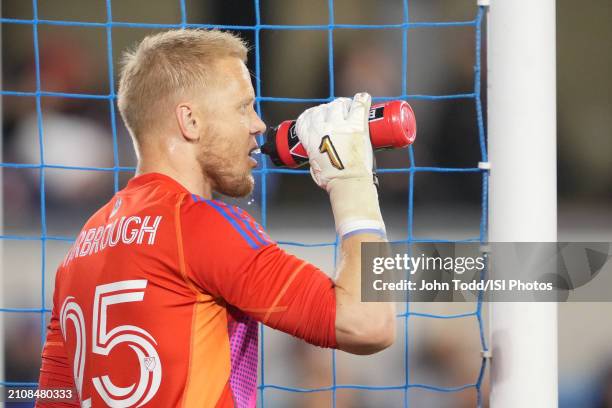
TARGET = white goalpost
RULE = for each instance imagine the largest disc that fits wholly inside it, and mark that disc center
(523, 191)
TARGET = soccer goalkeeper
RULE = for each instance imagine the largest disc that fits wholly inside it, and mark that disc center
(157, 301)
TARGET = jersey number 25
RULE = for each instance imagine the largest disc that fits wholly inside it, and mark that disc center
(105, 339)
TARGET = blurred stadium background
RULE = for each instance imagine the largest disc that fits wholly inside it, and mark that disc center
(77, 132)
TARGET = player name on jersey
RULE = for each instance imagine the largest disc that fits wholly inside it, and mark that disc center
(126, 230)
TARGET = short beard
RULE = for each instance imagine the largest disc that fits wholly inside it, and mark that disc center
(215, 170)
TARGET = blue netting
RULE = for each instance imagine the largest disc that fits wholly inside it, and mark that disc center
(264, 170)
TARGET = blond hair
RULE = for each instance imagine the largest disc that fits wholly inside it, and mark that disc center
(166, 65)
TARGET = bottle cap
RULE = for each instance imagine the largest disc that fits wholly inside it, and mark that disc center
(395, 127)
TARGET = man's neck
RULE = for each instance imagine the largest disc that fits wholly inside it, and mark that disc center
(172, 157)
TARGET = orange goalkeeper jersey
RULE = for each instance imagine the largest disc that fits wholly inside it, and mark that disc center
(156, 304)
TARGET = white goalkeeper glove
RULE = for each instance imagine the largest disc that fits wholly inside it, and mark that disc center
(336, 138)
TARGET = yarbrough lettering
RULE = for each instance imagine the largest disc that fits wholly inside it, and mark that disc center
(126, 230)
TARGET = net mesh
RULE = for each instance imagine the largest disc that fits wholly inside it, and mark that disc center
(265, 170)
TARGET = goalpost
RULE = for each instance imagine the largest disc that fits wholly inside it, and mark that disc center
(523, 191)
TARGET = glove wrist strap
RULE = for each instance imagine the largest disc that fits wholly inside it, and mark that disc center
(355, 205)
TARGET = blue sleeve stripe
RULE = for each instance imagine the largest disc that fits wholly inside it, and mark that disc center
(236, 226)
(381, 233)
(255, 225)
(248, 226)
(195, 198)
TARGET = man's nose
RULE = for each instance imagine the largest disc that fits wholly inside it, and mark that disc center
(258, 126)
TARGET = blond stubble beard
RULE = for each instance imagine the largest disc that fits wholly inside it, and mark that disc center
(215, 166)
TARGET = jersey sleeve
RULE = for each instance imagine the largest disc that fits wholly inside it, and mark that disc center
(55, 370)
(229, 256)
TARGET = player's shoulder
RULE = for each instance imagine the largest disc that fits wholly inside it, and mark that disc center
(102, 213)
(220, 220)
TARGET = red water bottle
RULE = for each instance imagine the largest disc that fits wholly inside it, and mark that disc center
(392, 126)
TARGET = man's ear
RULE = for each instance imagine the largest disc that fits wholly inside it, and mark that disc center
(188, 121)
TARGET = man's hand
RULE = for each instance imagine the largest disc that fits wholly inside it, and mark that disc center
(336, 138)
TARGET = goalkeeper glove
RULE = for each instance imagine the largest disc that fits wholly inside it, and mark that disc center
(336, 138)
